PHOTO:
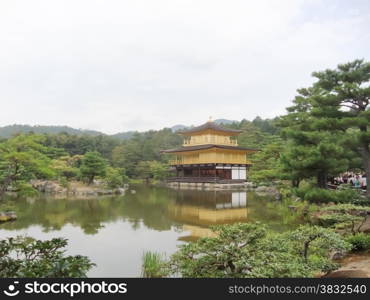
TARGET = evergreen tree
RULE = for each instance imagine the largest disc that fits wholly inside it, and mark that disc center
(266, 164)
(343, 106)
(312, 151)
(23, 158)
(93, 164)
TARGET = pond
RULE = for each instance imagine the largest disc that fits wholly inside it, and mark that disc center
(115, 231)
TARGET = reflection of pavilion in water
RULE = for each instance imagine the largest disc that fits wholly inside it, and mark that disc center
(198, 210)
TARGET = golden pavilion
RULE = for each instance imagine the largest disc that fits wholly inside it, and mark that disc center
(210, 153)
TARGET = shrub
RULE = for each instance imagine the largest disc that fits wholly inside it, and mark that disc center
(331, 219)
(251, 250)
(344, 216)
(115, 177)
(63, 181)
(362, 200)
(301, 191)
(25, 189)
(316, 195)
(359, 241)
(25, 257)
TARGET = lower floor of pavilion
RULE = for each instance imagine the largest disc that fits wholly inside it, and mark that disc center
(219, 173)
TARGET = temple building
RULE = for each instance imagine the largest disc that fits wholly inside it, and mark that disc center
(210, 154)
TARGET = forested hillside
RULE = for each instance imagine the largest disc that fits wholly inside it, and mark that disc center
(84, 156)
(10, 130)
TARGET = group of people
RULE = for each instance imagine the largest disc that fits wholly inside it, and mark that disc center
(356, 180)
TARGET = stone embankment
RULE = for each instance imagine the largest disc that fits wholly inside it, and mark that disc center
(75, 189)
(6, 216)
(249, 186)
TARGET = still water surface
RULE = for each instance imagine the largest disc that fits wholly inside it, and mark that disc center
(115, 231)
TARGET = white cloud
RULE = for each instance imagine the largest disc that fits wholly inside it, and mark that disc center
(126, 65)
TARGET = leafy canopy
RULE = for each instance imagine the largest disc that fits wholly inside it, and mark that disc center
(251, 250)
(25, 257)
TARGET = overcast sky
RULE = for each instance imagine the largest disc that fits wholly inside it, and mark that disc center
(119, 65)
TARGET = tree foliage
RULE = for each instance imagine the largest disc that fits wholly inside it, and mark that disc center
(251, 250)
(327, 127)
(23, 158)
(93, 165)
(25, 257)
(266, 164)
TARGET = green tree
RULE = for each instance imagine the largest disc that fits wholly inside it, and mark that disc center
(143, 170)
(311, 151)
(342, 105)
(252, 136)
(92, 165)
(64, 166)
(316, 242)
(115, 177)
(251, 250)
(25, 257)
(266, 164)
(159, 170)
(118, 156)
(266, 125)
(23, 158)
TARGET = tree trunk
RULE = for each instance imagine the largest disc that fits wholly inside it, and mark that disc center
(322, 180)
(305, 249)
(6, 183)
(295, 183)
(90, 180)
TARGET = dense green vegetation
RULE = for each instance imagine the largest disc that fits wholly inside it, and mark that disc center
(325, 132)
(359, 241)
(64, 157)
(25, 257)
(11, 130)
(252, 250)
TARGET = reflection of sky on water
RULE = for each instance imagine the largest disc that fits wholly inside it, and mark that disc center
(116, 249)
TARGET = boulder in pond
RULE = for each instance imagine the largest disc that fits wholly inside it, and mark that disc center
(119, 191)
(7, 216)
(268, 190)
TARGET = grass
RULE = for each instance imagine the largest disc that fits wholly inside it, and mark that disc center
(152, 265)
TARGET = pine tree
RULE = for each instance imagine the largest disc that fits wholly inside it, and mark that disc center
(342, 105)
(93, 164)
(311, 151)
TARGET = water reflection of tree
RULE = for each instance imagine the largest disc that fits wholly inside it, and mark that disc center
(155, 208)
(147, 207)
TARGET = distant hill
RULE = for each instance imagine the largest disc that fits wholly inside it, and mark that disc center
(178, 127)
(225, 121)
(123, 135)
(218, 121)
(10, 130)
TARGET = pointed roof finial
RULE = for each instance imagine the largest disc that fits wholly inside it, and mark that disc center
(210, 119)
